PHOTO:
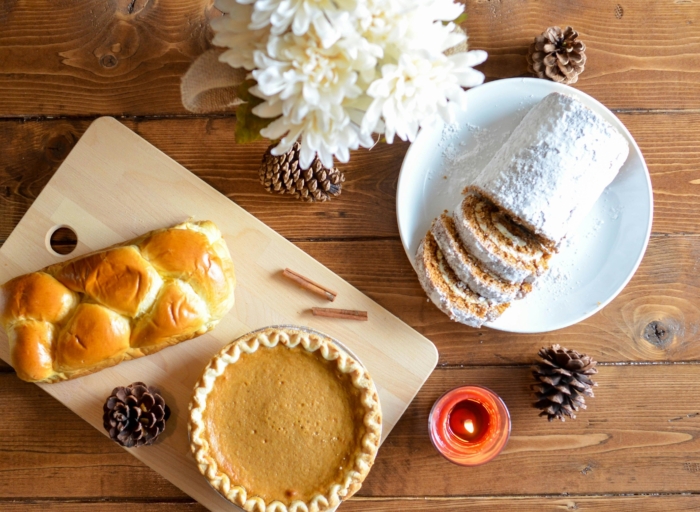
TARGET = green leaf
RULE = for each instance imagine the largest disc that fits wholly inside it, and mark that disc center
(458, 20)
(248, 125)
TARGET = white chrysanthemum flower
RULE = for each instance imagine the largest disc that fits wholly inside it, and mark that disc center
(308, 86)
(332, 72)
(231, 31)
(417, 89)
(400, 25)
(325, 16)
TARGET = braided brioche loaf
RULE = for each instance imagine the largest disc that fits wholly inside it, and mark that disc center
(83, 315)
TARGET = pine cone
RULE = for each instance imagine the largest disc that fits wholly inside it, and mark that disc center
(135, 415)
(283, 175)
(563, 382)
(557, 55)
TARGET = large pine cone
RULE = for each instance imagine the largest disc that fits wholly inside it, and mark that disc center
(282, 174)
(135, 415)
(557, 55)
(563, 382)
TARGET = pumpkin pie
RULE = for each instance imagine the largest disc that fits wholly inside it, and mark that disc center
(284, 419)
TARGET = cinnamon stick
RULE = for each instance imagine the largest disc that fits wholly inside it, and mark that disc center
(348, 314)
(310, 285)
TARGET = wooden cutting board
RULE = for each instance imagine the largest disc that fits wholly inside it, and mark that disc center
(114, 186)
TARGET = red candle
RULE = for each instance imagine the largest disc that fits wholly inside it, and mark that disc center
(469, 420)
(469, 425)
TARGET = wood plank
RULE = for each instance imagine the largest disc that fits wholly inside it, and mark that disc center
(671, 147)
(92, 57)
(366, 208)
(102, 506)
(675, 503)
(635, 68)
(643, 423)
(527, 504)
(43, 445)
(126, 57)
(655, 318)
(639, 435)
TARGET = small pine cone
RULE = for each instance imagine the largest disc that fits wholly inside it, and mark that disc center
(282, 174)
(135, 415)
(563, 382)
(557, 55)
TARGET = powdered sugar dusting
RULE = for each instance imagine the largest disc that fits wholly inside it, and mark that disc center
(554, 166)
(466, 158)
(466, 148)
(569, 269)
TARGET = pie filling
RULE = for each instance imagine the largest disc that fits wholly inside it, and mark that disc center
(284, 423)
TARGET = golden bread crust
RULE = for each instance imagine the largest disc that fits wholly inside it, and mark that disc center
(190, 256)
(118, 278)
(33, 347)
(113, 305)
(205, 441)
(93, 334)
(176, 314)
(37, 296)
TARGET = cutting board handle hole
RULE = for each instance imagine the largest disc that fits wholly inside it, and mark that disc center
(61, 240)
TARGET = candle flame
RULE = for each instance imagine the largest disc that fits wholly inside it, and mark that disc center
(469, 426)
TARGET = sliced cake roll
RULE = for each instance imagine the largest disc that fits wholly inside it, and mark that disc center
(503, 247)
(448, 293)
(469, 269)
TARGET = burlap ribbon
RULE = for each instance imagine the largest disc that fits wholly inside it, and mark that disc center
(210, 85)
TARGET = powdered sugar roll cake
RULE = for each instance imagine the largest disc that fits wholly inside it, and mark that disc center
(554, 166)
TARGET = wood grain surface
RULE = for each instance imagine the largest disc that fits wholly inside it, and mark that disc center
(358, 504)
(127, 56)
(62, 63)
(643, 422)
(78, 57)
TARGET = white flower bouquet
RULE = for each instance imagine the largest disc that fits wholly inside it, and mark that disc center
(331, 73)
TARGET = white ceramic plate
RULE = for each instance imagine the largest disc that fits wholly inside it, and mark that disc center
(595, 263)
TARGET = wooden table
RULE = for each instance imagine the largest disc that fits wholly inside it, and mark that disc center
(63, 63)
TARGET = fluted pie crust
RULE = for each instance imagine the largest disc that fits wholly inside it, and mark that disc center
(285, 420)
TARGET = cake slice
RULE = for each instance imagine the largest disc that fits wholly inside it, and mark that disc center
(470, 270)
(502, 246)
(448, 293)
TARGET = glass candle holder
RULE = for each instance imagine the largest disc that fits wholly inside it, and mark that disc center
(469, 425)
